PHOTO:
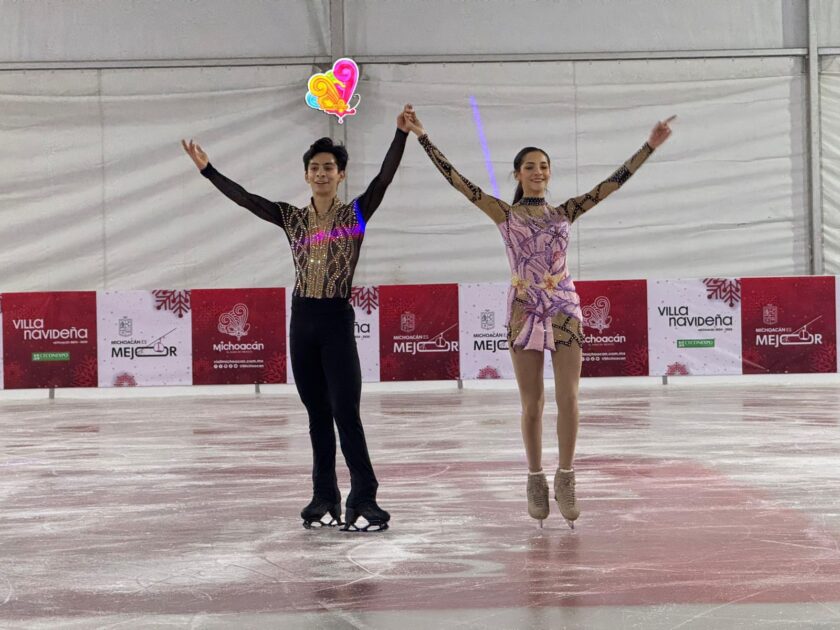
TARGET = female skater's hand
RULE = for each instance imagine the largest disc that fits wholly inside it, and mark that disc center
(414, 124)
(661, 132)
(196, 153)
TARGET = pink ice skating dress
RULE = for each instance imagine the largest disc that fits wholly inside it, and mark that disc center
(543, 307)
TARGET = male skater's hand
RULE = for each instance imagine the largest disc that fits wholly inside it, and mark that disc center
(414, 124)
(199, 157)
(402, 119)
(660, 133)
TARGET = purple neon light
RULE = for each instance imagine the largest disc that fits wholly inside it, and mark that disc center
(483, 140)
(339, 232)
(332, 235)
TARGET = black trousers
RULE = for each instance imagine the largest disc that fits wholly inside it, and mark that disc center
(325, 363)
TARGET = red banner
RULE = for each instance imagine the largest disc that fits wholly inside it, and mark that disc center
(788, 325)
(49, 340)
(238, 336)
(615, 327)
(418, 332)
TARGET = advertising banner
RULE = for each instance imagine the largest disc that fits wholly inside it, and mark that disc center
(789, 325)
(238, 336)
(694, 326)
(49, 340)
(365, 301)
(418, 332)
(483, 335)
(615, 327)
(145, 338)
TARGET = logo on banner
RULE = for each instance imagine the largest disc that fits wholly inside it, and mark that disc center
(770, 314)
(489, 341)
(235, 322)
(407, 322)
(778, 337)
(126, 327)
(681, 317)
(141, 348)
(438, 343)
(36, 330)
(597, 314)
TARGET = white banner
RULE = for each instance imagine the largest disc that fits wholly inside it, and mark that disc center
(143, 340)
(365, 302)
(483, 336)
(290, 376)
(694, 326)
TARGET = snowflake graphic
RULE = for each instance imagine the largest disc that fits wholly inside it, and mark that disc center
(202, 371)
(489, 372)
(274, 370)
(825, 360)
(753, 361)
(176, 301)
(124, 379)
(366, 298)
(724, 290)
(85, 374)
(677, 369)
(15, 375)
(453, 367)
(637, 362)
(390, 367)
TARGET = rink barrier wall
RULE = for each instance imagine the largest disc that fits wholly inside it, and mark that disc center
(708, 326)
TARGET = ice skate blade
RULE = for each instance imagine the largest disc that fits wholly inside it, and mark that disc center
(571, 524)
(367, 529)
(321, 524)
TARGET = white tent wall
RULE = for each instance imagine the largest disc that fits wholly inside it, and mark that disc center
(161, 30)
(97, 193)
(830, 102)
(424, 27)
(85, 30)
(828, 23)
(727, 197)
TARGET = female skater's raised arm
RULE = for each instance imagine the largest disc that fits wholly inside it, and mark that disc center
(263, 208)
(576, 206)
(494, 208)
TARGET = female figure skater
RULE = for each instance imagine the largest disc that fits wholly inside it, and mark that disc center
(543, 308)
(325, 238)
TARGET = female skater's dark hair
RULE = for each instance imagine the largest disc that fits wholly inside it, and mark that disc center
(517, 164)
(326, 145)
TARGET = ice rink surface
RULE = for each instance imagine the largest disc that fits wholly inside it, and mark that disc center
(713, 506)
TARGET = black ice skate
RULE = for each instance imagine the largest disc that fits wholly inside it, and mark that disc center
(313, 514)
(377, 518)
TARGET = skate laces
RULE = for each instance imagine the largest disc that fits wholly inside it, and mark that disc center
(537, 489)
(566, 489)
